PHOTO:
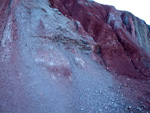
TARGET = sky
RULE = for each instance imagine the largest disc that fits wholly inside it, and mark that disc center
(139, 8)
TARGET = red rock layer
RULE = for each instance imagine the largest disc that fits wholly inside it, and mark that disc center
(118, 35)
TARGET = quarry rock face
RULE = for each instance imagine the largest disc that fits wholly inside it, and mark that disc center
(72, 56)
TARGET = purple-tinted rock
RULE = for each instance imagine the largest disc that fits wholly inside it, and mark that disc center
(122, 38)
(49, 54)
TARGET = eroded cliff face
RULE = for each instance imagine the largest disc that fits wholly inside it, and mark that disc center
(123, 39)
(72, 59)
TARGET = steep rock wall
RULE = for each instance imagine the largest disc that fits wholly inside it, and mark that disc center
(46, 59)
(123, 39)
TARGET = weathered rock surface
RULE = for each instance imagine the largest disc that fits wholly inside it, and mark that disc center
(123, 39)
(48, 58)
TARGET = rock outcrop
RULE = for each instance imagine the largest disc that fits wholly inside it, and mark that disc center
(123, 39)
(72, 56)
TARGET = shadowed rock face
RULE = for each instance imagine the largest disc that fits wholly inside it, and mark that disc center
(123, 39)
(62, 60)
